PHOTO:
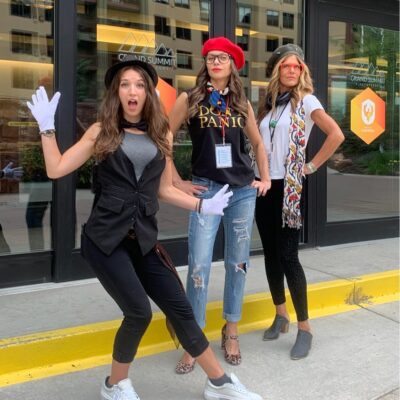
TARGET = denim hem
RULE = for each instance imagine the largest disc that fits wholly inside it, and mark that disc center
(231, 317)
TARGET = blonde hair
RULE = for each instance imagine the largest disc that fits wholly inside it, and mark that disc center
(305, 86)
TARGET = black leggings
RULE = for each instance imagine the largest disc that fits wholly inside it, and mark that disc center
(129, 277)
(281, 253)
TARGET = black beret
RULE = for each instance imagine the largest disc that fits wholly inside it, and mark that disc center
(283, 51)
(127, 61)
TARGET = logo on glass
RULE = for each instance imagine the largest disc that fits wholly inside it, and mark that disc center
(367, 115)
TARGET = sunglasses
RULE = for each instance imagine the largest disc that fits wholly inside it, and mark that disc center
(288, 67)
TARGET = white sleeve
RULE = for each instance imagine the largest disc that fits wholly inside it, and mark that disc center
(311, 103)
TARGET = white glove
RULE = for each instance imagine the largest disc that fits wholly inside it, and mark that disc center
(217, 203)
(42, 109)
(12, 173)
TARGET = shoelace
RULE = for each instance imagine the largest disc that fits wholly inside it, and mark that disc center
(240, 387)
(127, 394)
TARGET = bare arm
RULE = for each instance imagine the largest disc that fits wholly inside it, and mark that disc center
(255, 138)
(333, 140)
(59, 165)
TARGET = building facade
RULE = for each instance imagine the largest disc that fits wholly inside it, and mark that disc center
(352, 48)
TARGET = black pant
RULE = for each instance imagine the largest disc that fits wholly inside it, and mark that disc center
(129, 277)
(281, 246)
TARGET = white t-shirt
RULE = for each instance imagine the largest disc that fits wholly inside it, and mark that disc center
(280, 148)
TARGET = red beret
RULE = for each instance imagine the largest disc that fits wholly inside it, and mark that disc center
(223, 44)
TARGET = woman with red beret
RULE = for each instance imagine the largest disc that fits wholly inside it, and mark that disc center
(219, 119)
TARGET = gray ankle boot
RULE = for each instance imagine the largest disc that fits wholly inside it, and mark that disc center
(280, 324)
(302, 345)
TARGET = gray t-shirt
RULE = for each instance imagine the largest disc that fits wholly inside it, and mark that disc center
(140, 149)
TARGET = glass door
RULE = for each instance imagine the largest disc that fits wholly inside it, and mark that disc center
(169, 34)
(26, 61)
(356, 63)
(261, 27)
(363, 97)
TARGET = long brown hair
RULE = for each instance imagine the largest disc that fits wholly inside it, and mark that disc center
(304, 87)
(237, 97)
(111, 113)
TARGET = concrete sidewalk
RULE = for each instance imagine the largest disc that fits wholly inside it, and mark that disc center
(355, 354)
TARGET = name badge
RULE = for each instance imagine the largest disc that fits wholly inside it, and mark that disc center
(223, 155)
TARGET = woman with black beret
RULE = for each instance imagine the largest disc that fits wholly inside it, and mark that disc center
(131, 143)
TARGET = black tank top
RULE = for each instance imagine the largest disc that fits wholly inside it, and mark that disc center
(205, 132)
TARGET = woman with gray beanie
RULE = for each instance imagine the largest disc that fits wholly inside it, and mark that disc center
(285, 118)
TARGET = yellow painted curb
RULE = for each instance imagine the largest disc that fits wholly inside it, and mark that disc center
(73, 349)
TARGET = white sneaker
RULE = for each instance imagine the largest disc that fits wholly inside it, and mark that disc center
(123, 390)
(229, 391)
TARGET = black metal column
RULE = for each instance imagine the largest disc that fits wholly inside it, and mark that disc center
(223, 18)
(63, 209)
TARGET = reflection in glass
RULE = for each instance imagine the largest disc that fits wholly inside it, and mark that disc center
(169, 34)
(262, 26)
(363, 178)
(26, 61)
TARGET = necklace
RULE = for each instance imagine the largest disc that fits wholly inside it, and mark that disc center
(272, 125)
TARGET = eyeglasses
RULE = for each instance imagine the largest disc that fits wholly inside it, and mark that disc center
(288, 67)
(222, 58)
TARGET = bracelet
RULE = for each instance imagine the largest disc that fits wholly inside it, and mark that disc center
(199, 206)
(48, 132)
(311, 167)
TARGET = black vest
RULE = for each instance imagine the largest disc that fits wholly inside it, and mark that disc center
(122, 203)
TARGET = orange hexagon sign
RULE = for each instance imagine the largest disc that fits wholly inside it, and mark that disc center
(367, 119)
(167, 94)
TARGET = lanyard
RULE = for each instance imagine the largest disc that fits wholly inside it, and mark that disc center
(223, 121)
(272, 124)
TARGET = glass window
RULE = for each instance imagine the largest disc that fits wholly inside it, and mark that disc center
(20, 8)
(272, 18)
(244, 72)
(182, 3)
(107, 31)
(287, 40)
(183, 33)
(288, 1)
(22, 42)
(272, 43)
(161, 26)
(244, 15)
(243, 42)
(288, 20)
(26, 62)
(184, 59)
(204, 9)
(261, 40)
(363, 97)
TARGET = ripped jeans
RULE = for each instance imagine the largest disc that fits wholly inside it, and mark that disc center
(238, 222)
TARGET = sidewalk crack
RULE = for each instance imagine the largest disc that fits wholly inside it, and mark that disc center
(380, 314)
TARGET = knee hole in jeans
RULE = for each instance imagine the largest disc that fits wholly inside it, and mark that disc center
(198, 279)
(242, 267)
